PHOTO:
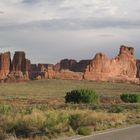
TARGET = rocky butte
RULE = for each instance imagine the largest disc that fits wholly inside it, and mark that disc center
(124, 67)
(15, 70)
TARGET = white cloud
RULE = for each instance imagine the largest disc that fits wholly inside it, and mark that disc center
(52, 29)
(28, 10)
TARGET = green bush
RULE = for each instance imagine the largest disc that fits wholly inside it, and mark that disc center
(82, 96)
(84, 131)
(130, 98)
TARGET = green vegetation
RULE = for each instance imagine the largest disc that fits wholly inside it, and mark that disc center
(37, 109)
(84, 131)
(4, 108)
(82, 96)
(130, 98)
(52, 123)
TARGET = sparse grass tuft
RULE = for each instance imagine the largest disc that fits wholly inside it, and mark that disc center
(115, 109)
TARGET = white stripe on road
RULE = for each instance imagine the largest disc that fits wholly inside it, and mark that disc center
(107, 132)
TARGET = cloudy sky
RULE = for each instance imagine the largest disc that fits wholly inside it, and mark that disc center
(49, 30)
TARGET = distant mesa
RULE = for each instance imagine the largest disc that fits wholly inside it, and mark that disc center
(124, 67)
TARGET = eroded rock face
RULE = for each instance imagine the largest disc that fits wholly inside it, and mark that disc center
(5, 64)
(67, 64)
(69, 75)
(18, 63)
(17, 70)
(138, 68)
(73, 65)
(71, 69)
(50, 73)
(81, 66)
(123, 67)
(42, 71)
(20, 66)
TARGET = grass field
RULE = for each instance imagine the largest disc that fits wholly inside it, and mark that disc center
(57, 88)
(36, 109)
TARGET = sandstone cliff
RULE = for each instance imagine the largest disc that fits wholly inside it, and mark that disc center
(42, 71)
(20, 66)
(124, 67)
(5, 65)
(16, 70)
(121, 68)
(138, 69)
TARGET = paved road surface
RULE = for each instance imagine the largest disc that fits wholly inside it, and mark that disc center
(131, 133)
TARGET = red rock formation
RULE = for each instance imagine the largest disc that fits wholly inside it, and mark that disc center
(50, 73)
(67, 64)
(18, 63)
(81, 66)
(42, 71)
(69, 75)
(5, 64)
(34, 71)
(73, 65)
(57, 67)
(138, 69)
(123, 67)
(20, 66)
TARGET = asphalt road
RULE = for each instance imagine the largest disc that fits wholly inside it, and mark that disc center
(131, 133)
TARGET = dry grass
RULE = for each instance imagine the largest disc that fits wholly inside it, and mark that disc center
(37, 108)
(57, 88)
(50, 123)
(56, 121)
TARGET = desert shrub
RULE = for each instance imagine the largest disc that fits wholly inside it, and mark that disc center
(4, 108)
(76, 121)
(82, 96)
(57, 122)
(26, 124)
(130, 98)
(52, 123)
(115, 109)
(84, 131)
(38, 123)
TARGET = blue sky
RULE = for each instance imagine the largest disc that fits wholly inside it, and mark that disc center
(50, 30)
